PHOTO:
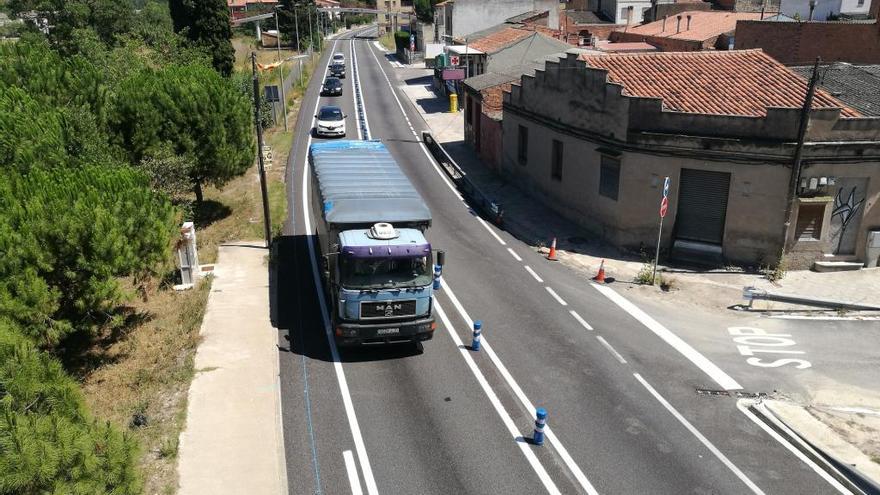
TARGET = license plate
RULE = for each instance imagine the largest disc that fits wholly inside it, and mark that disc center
(387, 331)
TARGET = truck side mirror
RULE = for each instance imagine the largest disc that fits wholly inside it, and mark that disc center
(441, 258)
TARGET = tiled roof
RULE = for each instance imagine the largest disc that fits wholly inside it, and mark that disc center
(236, 3)
(500, 39)
(704, 25)
(738, 82)
(586, 17)
(857, 86)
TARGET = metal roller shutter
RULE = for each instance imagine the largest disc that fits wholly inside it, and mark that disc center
(702, 206)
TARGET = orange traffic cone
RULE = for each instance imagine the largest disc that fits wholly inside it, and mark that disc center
(552, 255)
(600, 277)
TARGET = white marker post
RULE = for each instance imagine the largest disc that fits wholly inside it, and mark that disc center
(664, 205)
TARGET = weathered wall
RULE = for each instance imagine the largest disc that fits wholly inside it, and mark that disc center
(490, 141)
(801, 42)
(661, 42)
(470, 16)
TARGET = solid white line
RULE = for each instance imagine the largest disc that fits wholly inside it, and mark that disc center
(515, 256)
(350, 467)
(681, 419)
(556, 296)
(612, 350)
(361, 449)
(496, 236)
(532, 272)
(580, 320)
(708, 367)
(548, 432)
(496, 403)
(740, 404)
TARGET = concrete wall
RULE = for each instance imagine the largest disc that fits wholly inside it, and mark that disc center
(853, 7)
(469, 16)
(801, 42)
(613, 9)
(801, 8)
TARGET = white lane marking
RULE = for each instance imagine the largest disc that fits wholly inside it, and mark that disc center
(556, 296)
(379, 46)
(421, 144)
(705, 441)
(351, 469)
(580, 320)
(548, 432)
(513, 253)
(496, 236)
(535, 275)
(708, 367)
(740, 404)
(496, 403)
(612, 350)
(353, 425)
(394, 93)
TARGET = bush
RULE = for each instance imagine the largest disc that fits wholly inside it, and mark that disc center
(645, 274)
(401, 40)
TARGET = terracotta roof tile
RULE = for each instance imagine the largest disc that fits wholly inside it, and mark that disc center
(705, 25)
(740, 82)
(500, 39)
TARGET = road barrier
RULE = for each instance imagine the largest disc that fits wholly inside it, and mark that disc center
(358, 97)
(540, 422)
(476, 198)
(437, 272)
(478, 329)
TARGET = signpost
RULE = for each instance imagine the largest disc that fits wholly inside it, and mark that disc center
(664, 206)
(453, 61)
(412, 42)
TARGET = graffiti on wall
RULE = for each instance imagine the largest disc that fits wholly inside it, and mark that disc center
(847, 214)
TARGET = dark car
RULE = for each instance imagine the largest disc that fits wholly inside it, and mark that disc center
(337, 70)
(332, 87)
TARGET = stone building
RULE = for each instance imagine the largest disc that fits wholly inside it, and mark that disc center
(594, 136)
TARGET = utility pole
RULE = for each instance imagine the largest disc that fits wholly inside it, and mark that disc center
(281, 68)
(798, 152)
(296, 27)
(311, 36)
(262, 169)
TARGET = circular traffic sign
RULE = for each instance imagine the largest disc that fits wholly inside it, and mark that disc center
(664, 205)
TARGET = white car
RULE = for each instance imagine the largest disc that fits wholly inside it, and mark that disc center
(330, 121)
(338, 58)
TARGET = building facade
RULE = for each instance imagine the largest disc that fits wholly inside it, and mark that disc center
(595, 136)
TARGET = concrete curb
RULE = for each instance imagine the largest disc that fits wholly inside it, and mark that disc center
(850, 477)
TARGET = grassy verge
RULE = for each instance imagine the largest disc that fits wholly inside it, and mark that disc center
(387, 40)
(147, 370)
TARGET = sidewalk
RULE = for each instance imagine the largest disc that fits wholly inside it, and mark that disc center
(536, 224)
(232, 442)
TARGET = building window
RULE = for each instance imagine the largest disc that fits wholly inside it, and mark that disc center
(609, 177)
(809, 222)
(861, 3)
(556, 161)
(522, 145)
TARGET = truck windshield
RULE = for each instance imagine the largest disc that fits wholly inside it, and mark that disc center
(384, 273)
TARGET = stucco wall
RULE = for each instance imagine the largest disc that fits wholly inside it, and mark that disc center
(470, 16)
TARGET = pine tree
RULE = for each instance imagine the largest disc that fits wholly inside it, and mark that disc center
(206, 24)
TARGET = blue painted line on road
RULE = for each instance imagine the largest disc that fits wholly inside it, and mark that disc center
(308, 401)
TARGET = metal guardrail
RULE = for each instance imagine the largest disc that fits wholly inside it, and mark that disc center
(752, 293)
(358, 97)
(476, 197)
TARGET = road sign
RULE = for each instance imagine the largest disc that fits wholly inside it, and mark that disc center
(271, 93)
(412, 42)
(666, 187)
(453, 60)
(664, 205)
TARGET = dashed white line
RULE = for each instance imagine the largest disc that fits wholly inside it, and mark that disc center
(353, 425)
(548, 432)
(533, 274)
(351, 469)
(580, 320)
(556, 296)
(701, 361)
(612, 350)
(681, 419)
(513, 253)
(496, 236)
(496, 403)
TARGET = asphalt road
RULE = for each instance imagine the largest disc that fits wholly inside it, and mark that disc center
(624, 413)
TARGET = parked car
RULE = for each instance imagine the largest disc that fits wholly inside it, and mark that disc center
(337, 70)
(338, 58)
(332, 87)
(330, 121)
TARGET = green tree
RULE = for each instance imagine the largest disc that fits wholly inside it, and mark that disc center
(108, 18)
(424, 10)
(206, 24)
(30, 132)
(68, 234)
(194, 112)
(49, 443)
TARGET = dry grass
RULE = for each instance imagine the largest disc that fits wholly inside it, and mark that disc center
(387, 40)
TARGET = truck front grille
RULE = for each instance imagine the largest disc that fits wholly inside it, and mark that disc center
(388, 309)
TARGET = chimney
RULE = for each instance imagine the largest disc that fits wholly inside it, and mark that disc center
(678, 24)
(689, 23)
(762, 12)
(664, 23)
(812, 8)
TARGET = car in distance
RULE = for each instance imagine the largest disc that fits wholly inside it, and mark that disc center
(330, 122)
(338, 58)
(337, 70)
(332, 87)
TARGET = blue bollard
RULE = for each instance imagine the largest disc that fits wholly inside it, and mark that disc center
(540, 421)
(437, 271)
(478, 329)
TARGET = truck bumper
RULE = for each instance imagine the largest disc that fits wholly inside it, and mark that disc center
(354, 334)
